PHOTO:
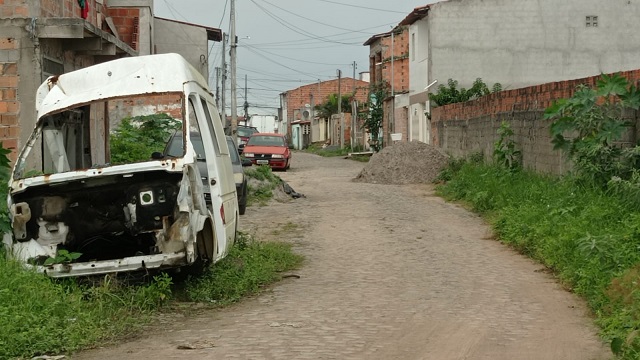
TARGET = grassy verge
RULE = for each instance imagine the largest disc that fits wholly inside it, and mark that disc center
(262, 186)
(40, 316)
(248, 268)
(331, 152)
(588, 237)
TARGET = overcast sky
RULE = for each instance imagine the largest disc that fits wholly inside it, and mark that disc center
(284, 44)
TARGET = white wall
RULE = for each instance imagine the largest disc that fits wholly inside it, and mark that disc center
(189, 41)
(418, 56)
(419, 63)
(264, 123)
(523, 42)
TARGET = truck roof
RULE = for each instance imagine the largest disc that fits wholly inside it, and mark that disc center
(122, 77)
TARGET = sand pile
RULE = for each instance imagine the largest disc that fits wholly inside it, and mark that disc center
(404, 163)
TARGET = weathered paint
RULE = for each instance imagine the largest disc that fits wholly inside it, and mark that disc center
(57, 199)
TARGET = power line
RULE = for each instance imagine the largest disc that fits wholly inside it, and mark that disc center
(285, 57)
(312, 20)
(306, 40)
(362, 7)
(296, 29)
(284, 66)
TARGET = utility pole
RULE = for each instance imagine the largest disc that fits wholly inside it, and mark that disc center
(234, 100)
(311, 116)
(354, 121)
(355, 66)
(340, 108)
(393, 96)
(223, 100)
(218, 87)
(246, 102)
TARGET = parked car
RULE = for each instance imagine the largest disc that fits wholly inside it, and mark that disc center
(244, 133)
(238, 175)
(111, 204)
(268, 149)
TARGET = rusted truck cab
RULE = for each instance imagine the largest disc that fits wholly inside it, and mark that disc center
(89, 196)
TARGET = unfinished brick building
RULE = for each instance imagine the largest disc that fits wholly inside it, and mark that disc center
(39, 39)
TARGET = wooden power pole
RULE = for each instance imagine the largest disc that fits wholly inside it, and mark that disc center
(234, 99)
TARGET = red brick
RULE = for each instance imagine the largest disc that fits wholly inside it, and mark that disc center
(8, 119)
(9, 132)
(22, 10)
(9, 69)
(12, 106)
(8, 43)
(9, 143)
(9, 81)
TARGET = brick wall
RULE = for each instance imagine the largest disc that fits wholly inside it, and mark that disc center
(298, 98)
(464, 128)
(380, 60)
(9, 105)
(71, 9)
(13, 8)
(126, 21)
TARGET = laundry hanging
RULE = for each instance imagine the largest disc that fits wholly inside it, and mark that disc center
(84, 4)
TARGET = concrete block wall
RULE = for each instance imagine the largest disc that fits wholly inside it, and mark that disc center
(465, 128)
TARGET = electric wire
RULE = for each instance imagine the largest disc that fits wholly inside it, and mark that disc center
(289, 58)
(362, 7)
(312, 20)
(296, 29)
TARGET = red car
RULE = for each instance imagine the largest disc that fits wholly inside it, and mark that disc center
(244, 133)
(268, 149)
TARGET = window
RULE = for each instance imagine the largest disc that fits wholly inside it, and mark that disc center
(413, 47)
(211, 127)
(592, 21)
(194, 128)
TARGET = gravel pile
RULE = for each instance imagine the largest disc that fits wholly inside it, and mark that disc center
(404, 163)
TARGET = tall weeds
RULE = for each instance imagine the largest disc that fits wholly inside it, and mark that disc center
(588, 236)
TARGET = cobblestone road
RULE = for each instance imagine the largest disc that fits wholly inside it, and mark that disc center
(392, 272)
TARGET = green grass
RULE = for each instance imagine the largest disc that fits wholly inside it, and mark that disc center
(590, 238)
(39, 315)
(330, 152)
(360, 158)
(248, 268)
(261, 193)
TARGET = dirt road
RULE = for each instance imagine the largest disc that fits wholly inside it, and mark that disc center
(392, 272)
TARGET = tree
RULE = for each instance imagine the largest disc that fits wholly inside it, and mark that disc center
(373, 118)
(137, 137)
(588, 126)
(330, 107)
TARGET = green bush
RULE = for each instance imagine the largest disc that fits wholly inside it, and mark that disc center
(450, 94)
(135, 139)
(589, 125)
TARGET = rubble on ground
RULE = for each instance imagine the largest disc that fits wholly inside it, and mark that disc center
(404, 163)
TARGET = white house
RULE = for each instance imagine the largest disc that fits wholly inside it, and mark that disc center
(516, 43)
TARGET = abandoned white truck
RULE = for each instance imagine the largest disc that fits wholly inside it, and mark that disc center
(89, 197)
